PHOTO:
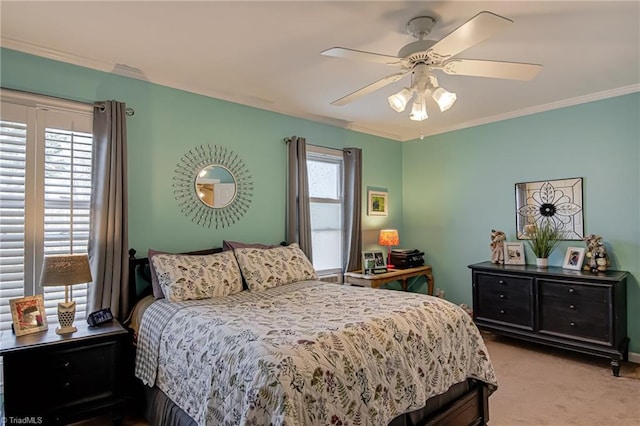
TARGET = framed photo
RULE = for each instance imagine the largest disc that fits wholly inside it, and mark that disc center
(514, 253)
(574, 258)
(377, 258)
(378, 205)
(28, 315)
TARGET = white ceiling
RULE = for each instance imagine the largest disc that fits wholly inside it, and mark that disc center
(267, 54)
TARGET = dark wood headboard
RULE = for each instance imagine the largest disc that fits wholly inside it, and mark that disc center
(135, 263)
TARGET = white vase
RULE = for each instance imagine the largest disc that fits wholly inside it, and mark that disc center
(542, 262)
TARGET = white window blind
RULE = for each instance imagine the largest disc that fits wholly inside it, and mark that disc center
(45, 190)
(324, 168)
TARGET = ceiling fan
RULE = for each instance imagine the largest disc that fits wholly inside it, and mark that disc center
(423, 56)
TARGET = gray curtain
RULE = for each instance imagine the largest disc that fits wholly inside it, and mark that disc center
(352, 191)
(298, 210)
(108, 242)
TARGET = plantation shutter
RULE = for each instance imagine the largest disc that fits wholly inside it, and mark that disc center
(13, 156)
(45, 179)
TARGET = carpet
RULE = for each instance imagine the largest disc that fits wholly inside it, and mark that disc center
(538, 385)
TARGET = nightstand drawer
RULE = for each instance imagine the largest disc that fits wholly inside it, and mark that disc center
(83, 374)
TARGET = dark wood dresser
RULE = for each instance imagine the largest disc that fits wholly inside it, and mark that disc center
(576, 310)
(54, 379)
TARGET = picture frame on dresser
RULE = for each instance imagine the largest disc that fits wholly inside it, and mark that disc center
(28, 315)
(574, 258)
(514, 253)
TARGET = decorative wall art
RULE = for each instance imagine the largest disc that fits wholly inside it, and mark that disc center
(377, 204)
(213, 186)
(557, 203)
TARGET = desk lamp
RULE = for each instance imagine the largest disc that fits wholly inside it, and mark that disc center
(389, 237)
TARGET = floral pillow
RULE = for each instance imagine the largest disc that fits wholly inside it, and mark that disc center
(185, 277)
(266, 268)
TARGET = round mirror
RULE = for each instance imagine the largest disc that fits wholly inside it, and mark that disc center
(215, 186)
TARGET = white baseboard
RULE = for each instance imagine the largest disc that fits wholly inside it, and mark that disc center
(634, 357)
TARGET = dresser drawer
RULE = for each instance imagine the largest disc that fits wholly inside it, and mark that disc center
(504, 298)
(577, 310)
(573, 292)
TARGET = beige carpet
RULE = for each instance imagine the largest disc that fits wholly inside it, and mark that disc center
(538, 385)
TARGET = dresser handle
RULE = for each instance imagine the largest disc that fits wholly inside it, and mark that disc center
(571, 290)
(66, 364)
(572, 306)
(502, 311)
(67, 385)
(500, 282)
(572, 324)
(502, 296)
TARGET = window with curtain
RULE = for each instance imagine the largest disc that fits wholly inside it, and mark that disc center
(324, 169)
(45, 191)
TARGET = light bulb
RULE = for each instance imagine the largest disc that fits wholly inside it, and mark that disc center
(399, 101)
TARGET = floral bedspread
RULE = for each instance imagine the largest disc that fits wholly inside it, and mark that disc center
(308, 353)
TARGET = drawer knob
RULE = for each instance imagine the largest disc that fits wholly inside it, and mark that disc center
(67, 385)
(571, 290)
(502, 311)
(500, 282)
(572, 324)
(572, 306)
(66, 364)
(502, 296)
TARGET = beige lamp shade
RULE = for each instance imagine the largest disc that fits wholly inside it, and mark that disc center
(67, 269)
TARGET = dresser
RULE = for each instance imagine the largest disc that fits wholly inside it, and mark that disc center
(576, 310)
(59, 379)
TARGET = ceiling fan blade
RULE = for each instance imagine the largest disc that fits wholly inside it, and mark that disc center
(344, 53)
(479, 28)
(492, 69)
(368, 89)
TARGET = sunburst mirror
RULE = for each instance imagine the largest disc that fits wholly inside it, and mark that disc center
(213, 186)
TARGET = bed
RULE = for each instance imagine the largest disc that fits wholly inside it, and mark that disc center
(308, 353)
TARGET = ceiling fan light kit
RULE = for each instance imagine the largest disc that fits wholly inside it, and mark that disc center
(422, 57)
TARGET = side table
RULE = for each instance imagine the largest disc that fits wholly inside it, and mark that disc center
(402, 275)
(59, 379)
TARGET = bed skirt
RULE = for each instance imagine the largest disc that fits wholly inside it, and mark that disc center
(463, 404)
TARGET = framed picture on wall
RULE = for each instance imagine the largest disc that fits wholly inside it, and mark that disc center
(377, 204)
(573, 258)
(514, 253)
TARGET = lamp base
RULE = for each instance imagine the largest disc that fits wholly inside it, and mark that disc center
(66, 330)
(66, 315)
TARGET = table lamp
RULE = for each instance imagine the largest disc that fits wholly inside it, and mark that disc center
(66, 270)
(389, 237)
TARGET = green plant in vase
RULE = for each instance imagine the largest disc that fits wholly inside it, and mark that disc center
(542, 241)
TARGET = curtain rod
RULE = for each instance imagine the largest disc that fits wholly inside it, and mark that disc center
(128, 110)
(33, 99)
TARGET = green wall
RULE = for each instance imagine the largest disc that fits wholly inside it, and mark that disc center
(460, 185)
(169, 122)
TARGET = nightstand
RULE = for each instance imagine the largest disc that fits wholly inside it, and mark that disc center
(59, 379)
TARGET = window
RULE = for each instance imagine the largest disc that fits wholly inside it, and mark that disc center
(324, 167)
(45, 190)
